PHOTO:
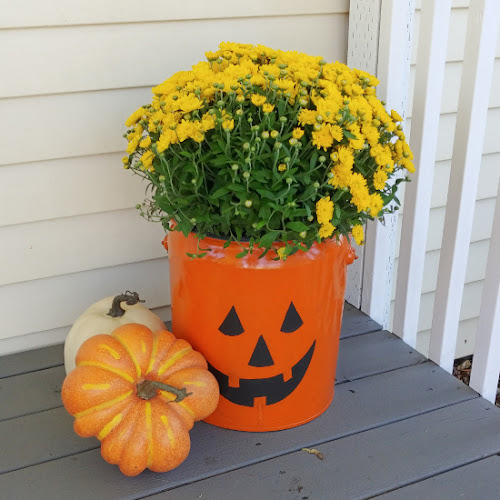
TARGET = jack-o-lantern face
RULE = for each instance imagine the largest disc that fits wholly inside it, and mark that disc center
(273, 388)
(268, 329)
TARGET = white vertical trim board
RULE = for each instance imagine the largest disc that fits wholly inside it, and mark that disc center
(486, 366)
(362, 48)
(482, 32)
(429, 78)
(393, 71)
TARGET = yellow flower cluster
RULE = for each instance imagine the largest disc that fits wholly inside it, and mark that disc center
(324, 214)
(335, 107)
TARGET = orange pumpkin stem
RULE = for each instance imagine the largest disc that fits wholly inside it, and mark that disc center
(131, 298)
(148, 389)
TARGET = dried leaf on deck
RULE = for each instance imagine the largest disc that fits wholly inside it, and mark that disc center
(314, 451)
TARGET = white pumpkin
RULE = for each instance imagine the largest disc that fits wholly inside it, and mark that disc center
(106, 316)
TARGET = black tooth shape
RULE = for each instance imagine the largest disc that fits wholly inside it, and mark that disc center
(292, 321)
(231, 325)
(261, 355)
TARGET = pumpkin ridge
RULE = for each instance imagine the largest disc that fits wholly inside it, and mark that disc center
(136, 426)
(104, 405)
(154, 352)
(188, 409)
(131, 356)
(108, 368)
(110, 426)
(149, 434)
(178, 355)
(110, 350)
(171, 436)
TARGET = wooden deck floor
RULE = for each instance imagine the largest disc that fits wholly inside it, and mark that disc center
(399, 428)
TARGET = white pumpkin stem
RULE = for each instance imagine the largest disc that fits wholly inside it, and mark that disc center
(148, 389)
(130, 298)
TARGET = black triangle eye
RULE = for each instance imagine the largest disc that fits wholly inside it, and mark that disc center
(232, 324)
(292, 320)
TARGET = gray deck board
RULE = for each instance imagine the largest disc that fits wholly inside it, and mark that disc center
(34, 430)
(359, 357)
(398, 425)
(31, 361)
(479, 480)
(365, 464)
(358, 406)
(365, 356)
(31, 392)
(356, 323)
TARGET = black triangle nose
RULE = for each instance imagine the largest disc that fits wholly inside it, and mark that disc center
(261, 355)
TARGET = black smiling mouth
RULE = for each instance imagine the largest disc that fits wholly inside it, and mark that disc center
(274, 389)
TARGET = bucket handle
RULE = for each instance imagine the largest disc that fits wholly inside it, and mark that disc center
(350, 255)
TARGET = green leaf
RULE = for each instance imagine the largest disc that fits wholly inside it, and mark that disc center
(297, 226)
(349, 135)
(263, 253)
(185, 227)
(219, 192)
(269, 238)
(337, 211)
(226, 244)
(241, 254)
(238, 188)
(281, 107)
(313, 159)
(267, 194)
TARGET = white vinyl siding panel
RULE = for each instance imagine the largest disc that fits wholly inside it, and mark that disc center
(84, 185)
(28, 13)
(84, 58)
(70, 77)
(56, 302)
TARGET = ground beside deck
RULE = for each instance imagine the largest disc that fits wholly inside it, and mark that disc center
(399, 428)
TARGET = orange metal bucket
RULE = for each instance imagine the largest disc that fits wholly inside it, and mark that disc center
(268, 329)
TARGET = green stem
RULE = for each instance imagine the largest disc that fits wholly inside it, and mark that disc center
(147, 389)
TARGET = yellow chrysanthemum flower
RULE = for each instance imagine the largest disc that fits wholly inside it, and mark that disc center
(322, 138)
(324, 210)
(326, 230)
(267, 108)
(297, 133)
(189, 103)
(380, 178)
(396, 116)
(135, 117)
(358, 234)
(307, 117)
(228, 125)
(147, 161)
(258, 100)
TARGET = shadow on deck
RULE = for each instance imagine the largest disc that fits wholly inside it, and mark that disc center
(399, 428)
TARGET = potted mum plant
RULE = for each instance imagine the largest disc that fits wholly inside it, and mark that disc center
(262, 165)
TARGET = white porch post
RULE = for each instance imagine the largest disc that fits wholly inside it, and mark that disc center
(393, 71)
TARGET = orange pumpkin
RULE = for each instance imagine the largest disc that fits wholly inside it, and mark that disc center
(139, 393)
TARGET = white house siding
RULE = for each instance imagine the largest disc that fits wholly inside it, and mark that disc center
(488, 182)
(69, 234)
